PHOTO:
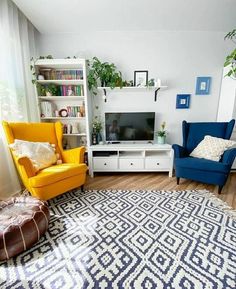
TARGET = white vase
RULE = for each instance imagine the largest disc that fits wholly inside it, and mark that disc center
(161, 139)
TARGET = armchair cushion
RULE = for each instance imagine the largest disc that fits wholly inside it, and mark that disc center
(41, 154)
(201, 165)
(211, 148)
(56, 173)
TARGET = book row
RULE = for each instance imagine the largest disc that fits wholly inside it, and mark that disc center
(71, 90)
(53, 74)
(49, 109)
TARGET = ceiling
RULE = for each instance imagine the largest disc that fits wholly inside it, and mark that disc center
(74, 16)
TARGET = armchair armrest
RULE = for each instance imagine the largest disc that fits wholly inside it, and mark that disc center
(179, 151)
(229, 156)
(26, 166)
(75, 155)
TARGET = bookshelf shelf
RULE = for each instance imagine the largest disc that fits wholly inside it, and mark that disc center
(74, 134)
(74, 72)
(62, 81)
(61, 63)
(62, 97)
(66, 117)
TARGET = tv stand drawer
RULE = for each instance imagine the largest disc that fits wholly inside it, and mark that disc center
(105, 164)
(131, 164)
(156, 164)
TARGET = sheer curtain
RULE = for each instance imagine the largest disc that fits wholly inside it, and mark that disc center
(17, 96)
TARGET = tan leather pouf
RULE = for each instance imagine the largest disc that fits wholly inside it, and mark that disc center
(23, 220)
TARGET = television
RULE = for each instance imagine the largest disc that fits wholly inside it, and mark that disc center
(129, 126)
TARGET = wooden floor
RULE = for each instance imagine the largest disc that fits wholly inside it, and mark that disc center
(159, 181)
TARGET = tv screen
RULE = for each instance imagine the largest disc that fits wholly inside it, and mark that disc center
(129, 126)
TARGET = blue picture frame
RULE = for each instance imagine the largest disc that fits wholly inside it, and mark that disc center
(183, 101)
(203, 85)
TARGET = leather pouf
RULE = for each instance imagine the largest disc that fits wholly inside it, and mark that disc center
(23, 220)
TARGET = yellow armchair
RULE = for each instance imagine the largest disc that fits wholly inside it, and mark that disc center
(54, 180)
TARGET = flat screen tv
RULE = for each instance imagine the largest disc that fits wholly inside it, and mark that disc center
(129, 126)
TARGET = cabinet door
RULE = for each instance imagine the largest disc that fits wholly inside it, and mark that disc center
(105, 164)
(157, 164)
(131, 164)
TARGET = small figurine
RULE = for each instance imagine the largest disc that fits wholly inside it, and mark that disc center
(70, 92)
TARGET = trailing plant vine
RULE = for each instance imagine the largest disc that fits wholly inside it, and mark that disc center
(231, 58)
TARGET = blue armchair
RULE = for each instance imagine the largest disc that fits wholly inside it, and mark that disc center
(199, 169)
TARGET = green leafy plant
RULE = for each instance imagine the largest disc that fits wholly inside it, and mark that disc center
(231, 58)
(52, 89)
(104, 74)
(43, 90)
(97, 124)
(162, 132)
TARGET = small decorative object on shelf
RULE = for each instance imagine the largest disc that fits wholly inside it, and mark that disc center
(161, 134)
(70, 92)
(63, 112)
(94, 137)
(75, 129)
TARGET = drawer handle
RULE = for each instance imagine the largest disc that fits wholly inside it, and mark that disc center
(131, 164)
(158, 164)
(105, 164)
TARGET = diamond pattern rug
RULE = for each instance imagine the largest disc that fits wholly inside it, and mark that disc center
(130, 239)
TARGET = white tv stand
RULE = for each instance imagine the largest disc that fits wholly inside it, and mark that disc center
(130, 158)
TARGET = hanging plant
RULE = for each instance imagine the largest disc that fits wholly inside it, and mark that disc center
(103, 74)
(231, 58)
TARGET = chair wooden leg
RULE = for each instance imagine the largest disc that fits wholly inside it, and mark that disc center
(82, 188)
(177, 180)
(220, 189)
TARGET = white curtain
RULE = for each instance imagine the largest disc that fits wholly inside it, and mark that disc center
(17, 96)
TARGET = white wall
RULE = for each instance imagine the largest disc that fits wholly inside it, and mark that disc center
(177, 58)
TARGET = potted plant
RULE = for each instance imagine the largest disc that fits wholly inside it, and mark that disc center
(231, 58)
(97, 127)
(161, 134)
(47, 90)
(103, 74)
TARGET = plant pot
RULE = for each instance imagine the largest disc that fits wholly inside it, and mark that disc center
(48, 93)
(161, 139)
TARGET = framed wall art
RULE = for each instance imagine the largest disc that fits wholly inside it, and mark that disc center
(183, 100)
(203, 85)
(141, 78)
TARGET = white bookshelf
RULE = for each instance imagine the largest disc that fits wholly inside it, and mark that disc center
(72, 73)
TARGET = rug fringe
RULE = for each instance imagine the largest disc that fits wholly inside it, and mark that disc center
(218, 202)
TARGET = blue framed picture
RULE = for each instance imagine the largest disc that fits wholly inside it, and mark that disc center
(203, 85)
(183, 100)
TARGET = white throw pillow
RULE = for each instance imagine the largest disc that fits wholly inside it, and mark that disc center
(41, 154)
(212, 148)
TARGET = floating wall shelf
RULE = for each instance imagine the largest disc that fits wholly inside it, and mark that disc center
(131, 89)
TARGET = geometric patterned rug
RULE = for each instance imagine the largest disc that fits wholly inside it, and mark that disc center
(130, 239)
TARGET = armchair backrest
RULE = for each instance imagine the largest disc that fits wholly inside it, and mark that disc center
(194, 132)
(35, 132)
